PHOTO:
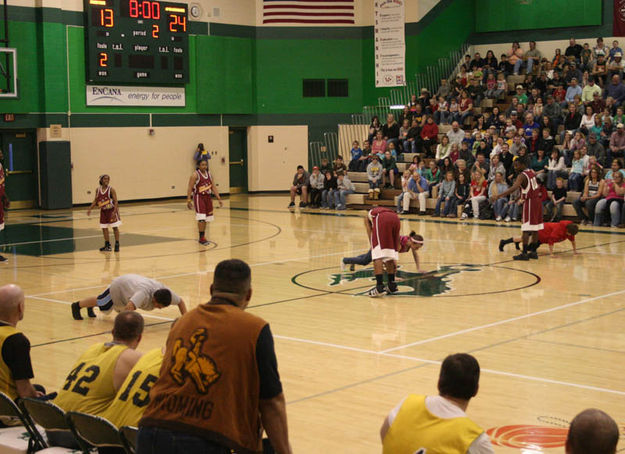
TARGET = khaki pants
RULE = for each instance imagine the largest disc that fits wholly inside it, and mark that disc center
(421, 196)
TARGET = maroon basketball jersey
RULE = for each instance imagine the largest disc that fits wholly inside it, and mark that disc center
(103, 199)
(530, 191)
(203, 183)
(2, 179)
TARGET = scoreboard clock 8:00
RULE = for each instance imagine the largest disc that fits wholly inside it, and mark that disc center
(137, 42)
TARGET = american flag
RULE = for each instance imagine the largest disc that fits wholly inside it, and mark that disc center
(308, 12)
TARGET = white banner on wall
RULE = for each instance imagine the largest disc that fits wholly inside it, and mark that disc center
(110, 95)
(390, 44)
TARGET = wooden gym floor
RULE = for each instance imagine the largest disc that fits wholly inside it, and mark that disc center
(548, 333)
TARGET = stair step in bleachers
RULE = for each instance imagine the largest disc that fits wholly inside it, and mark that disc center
(357, 177)
(361, 187)
(355, 199)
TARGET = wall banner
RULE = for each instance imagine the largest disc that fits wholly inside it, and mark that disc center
(110, 95)
(390, 43)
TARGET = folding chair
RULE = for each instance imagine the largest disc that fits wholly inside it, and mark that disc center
(52, 418)
(22, 438)
(128, 436)
(93, 430)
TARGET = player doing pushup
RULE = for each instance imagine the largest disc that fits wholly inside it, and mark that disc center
(199, 198)
(412, 243)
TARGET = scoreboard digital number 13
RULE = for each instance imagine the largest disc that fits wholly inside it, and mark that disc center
(137, 42)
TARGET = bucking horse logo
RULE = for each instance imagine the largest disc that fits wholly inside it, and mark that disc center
(190, 362)
(410, 283)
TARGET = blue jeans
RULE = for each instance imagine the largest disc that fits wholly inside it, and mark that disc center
(410, 146)
(614, 206)
(529, 65)
(549, 210)
(327, 198)
(446, 209)
(152, 440)
(510, 209)
(590, 208)
(576, 182)
(362, 260)
(498, 207)
(339, 198)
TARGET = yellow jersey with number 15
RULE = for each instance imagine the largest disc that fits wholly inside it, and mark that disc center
(89, 386)
(134, 395)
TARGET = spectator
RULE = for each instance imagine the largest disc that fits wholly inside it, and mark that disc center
(592, 431)
(600, 71)
(532, 57)
(374, 127)
(339, 165)
(574, 50)
(589, 91)
(366, 152)
(16, 369)
(465, 107)
(238, 365)
(614, 49)
(520, 95)
(454, 110)
(358, 161)
(571, 91)
(556, 201)
(374, 176)
(612, 201)
(89, 392)
(477, 195)
(481, 165)
(606, 132)
(390, 130)
(586, 58)
(616, 66)
(416, 164)
(429, 135)
(454, 154)
(597, 103)
(378, 146)
(576, 144)
(344, 188)
(514, 55)
(460, 195)
(510, 211)
(300, 187)
(325, 166)
(432, 174)
(553, 110)
(442, 114)
(547, 143)
(422, 423)
(576, 175)
(408, 115)
(572, 120)
(496, 166)
(389, 170)
(539, 162)
(593, 190)
(447, 166)
(316, 187)
(497, 186)
(446, 193)
(476, 91)
(616, 166)
(558, 60)
(555, 168)
(392, 150)
(200, 153)
(517, 144)
(329, 188)
(615, 90)
(413, 138)
(490, 61)
(596, 149)
(587, 121)
(417, 189)
(455, 134)
(504, 65)
(617, 143)
(444, 90)
(403, 133)
(597, 127)
(529, 126)
(619, 117)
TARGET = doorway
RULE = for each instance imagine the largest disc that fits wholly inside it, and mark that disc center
(20, 166)
(237, 148)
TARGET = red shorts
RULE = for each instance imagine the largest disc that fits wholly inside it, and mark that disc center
(203, 204)
(109, 218)
(532, 215)
(385, 228)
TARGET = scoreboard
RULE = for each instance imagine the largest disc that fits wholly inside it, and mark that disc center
(136, 42)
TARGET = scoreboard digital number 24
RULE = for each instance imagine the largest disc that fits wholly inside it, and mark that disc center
(136, 42)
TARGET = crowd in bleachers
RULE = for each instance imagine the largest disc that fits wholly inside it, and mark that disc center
(564, 115)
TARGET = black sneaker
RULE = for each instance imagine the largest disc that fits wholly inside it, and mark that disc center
(391, 288)
(517, 246)
(292, 205)
(522, 256)
(501, 245)
(352, 267)
(204, 241)
(3, 259)
(106, 248)
(76, 311)
(302, 205)
(533, 255)
(90, 312)
(116, 247)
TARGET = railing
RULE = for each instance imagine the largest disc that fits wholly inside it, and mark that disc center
(328, 149)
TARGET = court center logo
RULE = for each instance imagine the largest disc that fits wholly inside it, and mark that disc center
(190, 362)
(409, 283)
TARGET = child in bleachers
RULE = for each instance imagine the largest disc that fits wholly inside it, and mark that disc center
(339, 166)
(445, 193)
(389, 169)
(576, 177)
(404, 179)
(477, 195)
(358, 161)
(392, 150)
(378, 146)
(553, 208)
(374, 176)
(432, 174)
(325, 166)
(460, 196)
(316, 187)
(329, 187)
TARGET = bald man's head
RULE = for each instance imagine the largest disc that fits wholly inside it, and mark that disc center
(592, 431)
(11, 303)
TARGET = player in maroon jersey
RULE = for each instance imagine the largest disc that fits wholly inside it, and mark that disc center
(383, 227)
(4, 200)
(532, 221)
(106, 200)
(199, 197)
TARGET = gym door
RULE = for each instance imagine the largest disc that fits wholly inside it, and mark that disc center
(20, 165)
(237, 148)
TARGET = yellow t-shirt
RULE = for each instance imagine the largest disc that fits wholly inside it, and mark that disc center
(7, 383)
(89, 386)
(415, 429)
(134, 395)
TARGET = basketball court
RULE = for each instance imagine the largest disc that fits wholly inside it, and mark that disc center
(548, 333)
